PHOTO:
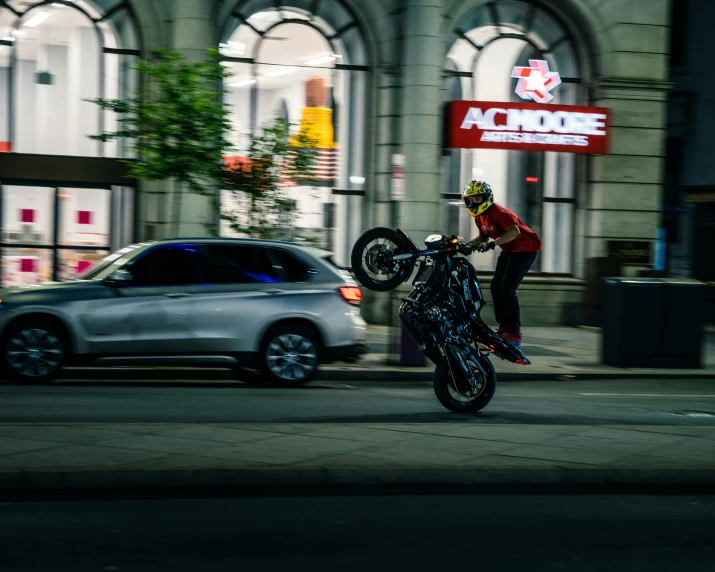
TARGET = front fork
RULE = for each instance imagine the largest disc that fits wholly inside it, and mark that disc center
(460, 357)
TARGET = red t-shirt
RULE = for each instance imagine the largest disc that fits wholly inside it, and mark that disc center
(494, 222)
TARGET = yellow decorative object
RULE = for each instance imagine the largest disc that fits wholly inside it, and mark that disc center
(316, 123)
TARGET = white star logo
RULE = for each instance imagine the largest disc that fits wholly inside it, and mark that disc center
(536, 81)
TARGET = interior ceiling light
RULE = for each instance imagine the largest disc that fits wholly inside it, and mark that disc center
(9, 39)
(323, 60)
(37, 19)
(243, 82)
(282, 71)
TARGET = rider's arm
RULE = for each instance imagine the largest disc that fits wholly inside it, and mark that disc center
(511, 233)
(476, 240)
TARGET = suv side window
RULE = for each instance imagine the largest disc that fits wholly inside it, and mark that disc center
(170, 265)
(294, 269)
(240, 264)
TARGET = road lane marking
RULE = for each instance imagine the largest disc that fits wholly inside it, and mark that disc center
(644, 395)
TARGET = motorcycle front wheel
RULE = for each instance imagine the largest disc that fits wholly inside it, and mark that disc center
(457, 395)
(368, 259)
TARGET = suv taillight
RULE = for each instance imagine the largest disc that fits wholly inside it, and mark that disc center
(351, 294)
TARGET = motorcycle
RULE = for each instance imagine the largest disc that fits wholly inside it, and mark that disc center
(442, 312)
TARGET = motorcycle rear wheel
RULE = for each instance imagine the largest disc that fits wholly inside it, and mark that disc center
(452, 396)
(366, 254)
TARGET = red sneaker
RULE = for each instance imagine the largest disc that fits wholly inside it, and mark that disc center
(512, 338)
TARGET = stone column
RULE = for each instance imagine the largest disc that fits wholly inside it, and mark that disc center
(421, 110)
(191, 32)
(624, 193)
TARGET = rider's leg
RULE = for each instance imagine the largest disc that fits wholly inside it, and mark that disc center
(496, 288)
(516, 269)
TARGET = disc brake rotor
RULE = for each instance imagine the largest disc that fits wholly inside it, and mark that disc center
(375, 260)
(464, 388)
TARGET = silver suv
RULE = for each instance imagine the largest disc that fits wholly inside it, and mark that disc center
(274, 306)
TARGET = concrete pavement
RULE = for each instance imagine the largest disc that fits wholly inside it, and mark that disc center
(559, 434)
(553, 351)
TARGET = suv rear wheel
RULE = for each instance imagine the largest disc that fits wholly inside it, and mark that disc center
(289, 355)
(33, 352)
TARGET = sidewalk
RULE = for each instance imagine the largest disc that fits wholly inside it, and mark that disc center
(105, 456)
(555, 353)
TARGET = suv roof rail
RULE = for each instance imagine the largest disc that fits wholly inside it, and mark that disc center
(228, 239)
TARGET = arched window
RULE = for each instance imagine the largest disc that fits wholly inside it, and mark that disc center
(539, 186)
(53, 56)
(307, 58)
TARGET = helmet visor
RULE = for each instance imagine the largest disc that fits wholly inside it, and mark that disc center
(474, 203)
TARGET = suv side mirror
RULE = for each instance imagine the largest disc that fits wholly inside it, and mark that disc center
(120, 278)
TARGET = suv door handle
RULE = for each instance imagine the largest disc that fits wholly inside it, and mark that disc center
(274, 291)
(177, 295)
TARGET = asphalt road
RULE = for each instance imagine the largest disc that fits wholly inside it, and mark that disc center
(661, 402)
(534, 533)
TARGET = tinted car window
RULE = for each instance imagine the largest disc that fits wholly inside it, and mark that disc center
(293, 269)
(172, 265)
(228, 264)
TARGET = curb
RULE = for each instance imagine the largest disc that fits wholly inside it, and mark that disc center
(357, 375)
(560, 480)
(424, 376)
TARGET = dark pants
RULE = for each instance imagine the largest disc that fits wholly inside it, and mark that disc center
(510, 271)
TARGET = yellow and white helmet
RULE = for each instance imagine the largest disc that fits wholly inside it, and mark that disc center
(478, 188)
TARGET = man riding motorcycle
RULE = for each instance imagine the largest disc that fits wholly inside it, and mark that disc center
(498, 226)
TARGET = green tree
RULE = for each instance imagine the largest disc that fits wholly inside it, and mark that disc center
(177, 126)
(261, 197)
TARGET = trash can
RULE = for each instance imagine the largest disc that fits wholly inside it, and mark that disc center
(652, 322)
(684, 315)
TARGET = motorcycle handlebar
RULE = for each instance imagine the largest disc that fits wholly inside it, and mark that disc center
(461, 247)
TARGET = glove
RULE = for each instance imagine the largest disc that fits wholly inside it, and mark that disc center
(465, 248)
(485, 246)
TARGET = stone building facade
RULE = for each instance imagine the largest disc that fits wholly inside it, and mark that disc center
(402, 60)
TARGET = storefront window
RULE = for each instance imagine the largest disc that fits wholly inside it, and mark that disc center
(84, 217)
(90, 222)
(308, 69)
(540, 187)
(71, 263)
(54, 57)
(22, 266)
(28, 215)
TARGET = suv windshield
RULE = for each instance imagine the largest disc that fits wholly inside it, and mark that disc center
(107, 265)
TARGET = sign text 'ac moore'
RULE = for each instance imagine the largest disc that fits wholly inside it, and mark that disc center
(525, 126)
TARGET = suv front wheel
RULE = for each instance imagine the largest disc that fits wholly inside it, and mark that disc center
(32, 352)
(289, 355)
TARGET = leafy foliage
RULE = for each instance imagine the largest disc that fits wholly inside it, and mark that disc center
(177, 126)
(260, 184)
(179, 129)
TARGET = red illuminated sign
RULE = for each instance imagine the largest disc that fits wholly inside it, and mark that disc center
(527, 127)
